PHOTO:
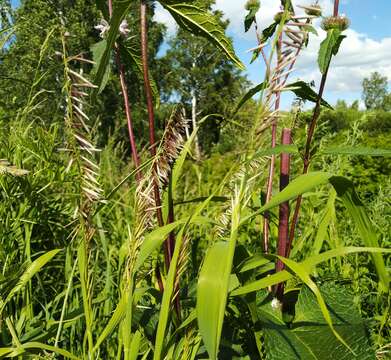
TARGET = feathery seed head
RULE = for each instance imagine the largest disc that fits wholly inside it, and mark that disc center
(313, 10)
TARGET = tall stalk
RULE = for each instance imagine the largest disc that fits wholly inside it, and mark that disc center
(283, 221)
(168, 249)
(128, 113)
(272, 160)
(310, 135)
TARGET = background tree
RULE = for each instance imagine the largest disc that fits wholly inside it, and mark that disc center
(375, 91)
(201, 78)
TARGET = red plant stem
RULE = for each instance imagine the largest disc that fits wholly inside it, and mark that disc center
(310, 135)
(151, 118)
(283, 223)
(128, 113)
(336, 7)
(272, 164)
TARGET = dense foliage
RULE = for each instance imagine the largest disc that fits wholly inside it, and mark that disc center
(189, 254)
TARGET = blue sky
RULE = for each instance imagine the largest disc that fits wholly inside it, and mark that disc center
(366, 49)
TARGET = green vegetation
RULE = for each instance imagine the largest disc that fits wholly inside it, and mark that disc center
(149, 210)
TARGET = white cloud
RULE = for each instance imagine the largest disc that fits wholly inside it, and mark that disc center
(358, 57)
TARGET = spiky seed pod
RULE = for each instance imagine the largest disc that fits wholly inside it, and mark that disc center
(335, 22)
(313, 10)
(252, 5)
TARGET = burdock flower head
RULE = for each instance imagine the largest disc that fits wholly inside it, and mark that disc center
(252, 5)
(335, 22)
(313, 10)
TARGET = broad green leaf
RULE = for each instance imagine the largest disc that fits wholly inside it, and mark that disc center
(304, 276)
(121, 8)
(304, 91)
(298, 186)
(32, 269)
(156, 238)
(358, 151)
(170, 282)
(215, 282)
(256, 89)
(201, 23)
(345, 191)
(212, 296)
(308, 264)
(329, 47)
(98, 50)
(309, 336)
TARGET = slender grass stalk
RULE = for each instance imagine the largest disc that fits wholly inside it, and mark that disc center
(310, 135)
(283, 223)
(128, 113)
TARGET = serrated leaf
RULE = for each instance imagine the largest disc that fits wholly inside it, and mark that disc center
(304, 91)
(329, 47)
(132, 55)
(202, 23)
(309, 337)
(256, 89)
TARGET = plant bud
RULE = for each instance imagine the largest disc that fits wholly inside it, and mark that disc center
(335, 22)
(279, 15)
(252, 5)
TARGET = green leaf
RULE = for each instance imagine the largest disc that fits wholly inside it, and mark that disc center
(132, 56)
(33, 269)
(324, 223)
(250, 18)
(309, 336)
(170, 282)
(298, 186)
(98, 50)
(268, 32)
(358, 151)
(212, 296)
(304, 275)
(329, 47)
(120, 10)
(202, 23)
(354, 206)
(309, 263)
(256, 89)
(304, 91)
